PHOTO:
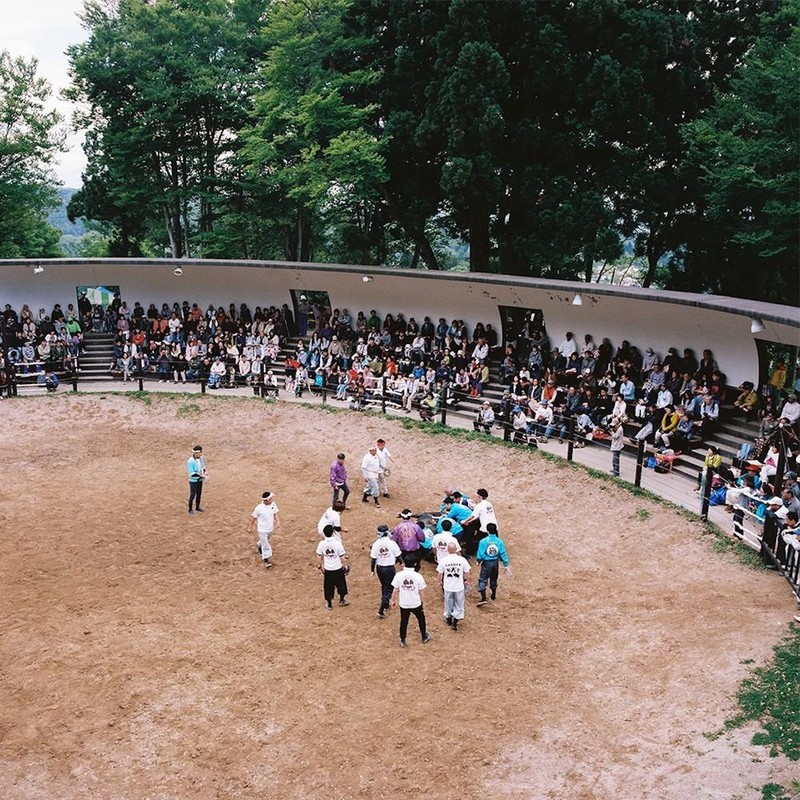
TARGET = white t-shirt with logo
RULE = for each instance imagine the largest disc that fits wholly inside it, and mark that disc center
(330, 517)
(484, 511)
(409, 584)
(331, 550)
(454, 568)
(385, 551)
(440, 542)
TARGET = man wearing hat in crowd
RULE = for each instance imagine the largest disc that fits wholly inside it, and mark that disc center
(519, 421)
(484, 418)
(791, 410)
(776, 509)
(370, 469)
(196, 468)
(409, 535)
(265, 514)
(384, 555)
(384, 457)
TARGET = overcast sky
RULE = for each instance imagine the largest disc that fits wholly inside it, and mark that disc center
(44, 29)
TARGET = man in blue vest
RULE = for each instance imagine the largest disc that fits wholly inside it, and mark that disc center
(491, 551)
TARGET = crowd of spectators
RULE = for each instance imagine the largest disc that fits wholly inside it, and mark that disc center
(35, 343)
(38, 346)
(674, 399)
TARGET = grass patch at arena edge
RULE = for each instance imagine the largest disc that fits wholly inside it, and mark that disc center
(770, 698)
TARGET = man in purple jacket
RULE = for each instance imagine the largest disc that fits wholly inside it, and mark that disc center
(409, 535)
(338, 479)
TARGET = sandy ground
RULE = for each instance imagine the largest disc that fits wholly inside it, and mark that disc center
(148, 654)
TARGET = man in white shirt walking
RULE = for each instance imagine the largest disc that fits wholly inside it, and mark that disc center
(333, 563)
(265, 514)
(384, 554)
(384, 457)
(409, 589)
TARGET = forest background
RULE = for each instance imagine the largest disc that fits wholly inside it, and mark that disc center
(650, 142)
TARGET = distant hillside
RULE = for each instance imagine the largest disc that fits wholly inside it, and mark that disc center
(58, 216)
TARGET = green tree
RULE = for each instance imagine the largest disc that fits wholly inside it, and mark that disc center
(309, 145)
(745, 149)
(30, 138)
(166, 84)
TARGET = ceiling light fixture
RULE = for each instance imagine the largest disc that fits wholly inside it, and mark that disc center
(756, 325)
(577, 300)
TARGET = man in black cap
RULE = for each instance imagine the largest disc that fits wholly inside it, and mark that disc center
(384, 555)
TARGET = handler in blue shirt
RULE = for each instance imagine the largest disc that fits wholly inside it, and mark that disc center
(491, 551)
(196, 468)
(455, 511)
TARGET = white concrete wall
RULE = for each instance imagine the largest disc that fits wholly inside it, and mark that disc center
(645, 317)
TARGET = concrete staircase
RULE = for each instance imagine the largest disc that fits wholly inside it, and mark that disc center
(93, 364)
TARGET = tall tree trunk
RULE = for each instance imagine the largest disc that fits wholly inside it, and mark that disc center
(479, 241)
(415, 258)
(588, 264)
(173, 242)
(413, 231)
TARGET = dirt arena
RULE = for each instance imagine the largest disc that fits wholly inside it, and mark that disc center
(148, 654)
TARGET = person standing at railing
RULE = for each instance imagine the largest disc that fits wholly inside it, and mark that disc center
(484, 419)
(617, 444)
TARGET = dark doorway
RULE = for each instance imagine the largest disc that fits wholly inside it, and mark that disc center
(310, 308)
(774, 356)
(519, 325)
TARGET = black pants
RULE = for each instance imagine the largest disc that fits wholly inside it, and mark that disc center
(416, 555)
(385, 576)
(471, 537)
(334, 581)
(405, 614)
(195, 492)
(344, 489)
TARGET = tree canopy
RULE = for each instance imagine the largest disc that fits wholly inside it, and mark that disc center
(30, 137)
(554, 139)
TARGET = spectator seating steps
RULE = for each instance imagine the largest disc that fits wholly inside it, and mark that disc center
(93, 364)
(734, 428)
